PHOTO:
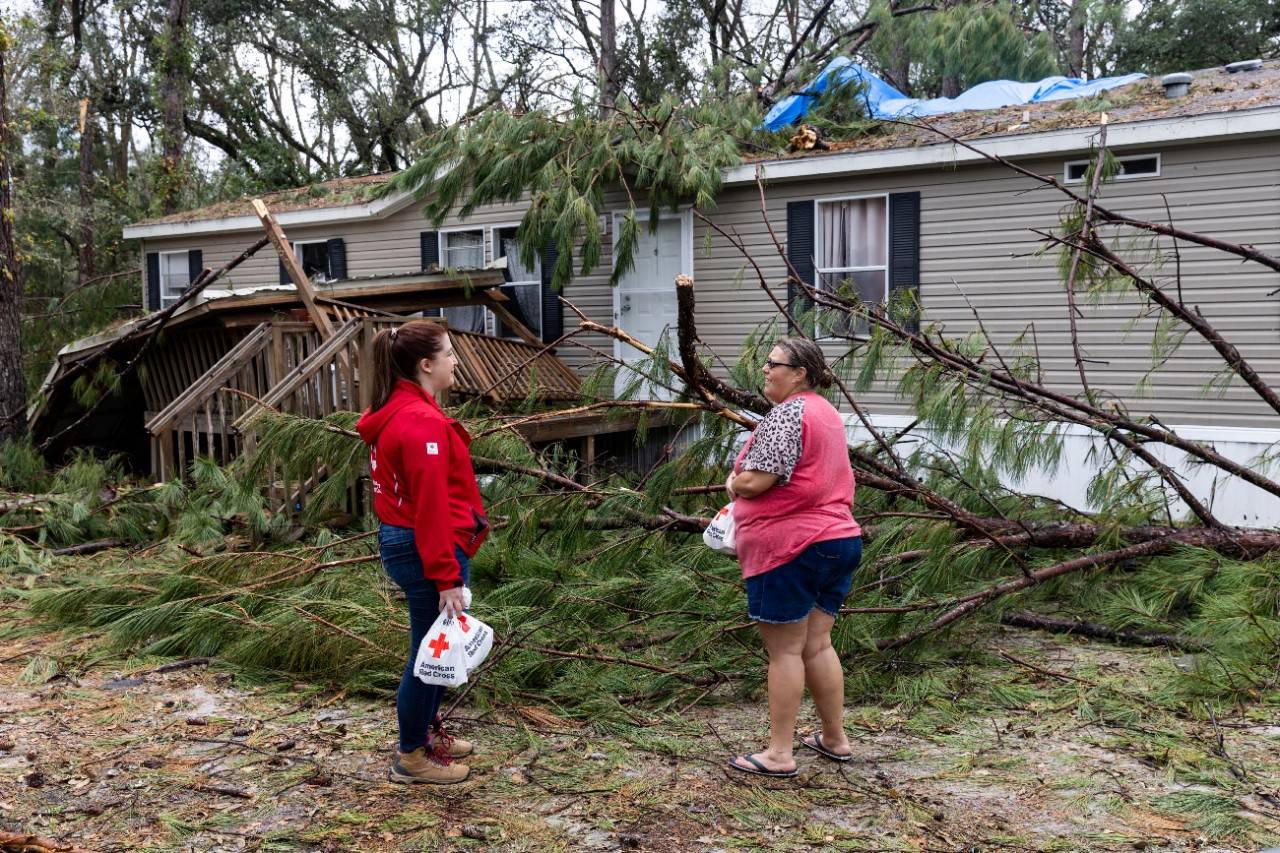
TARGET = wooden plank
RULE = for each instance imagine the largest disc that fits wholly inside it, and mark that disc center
(487, 299)
(213, 378)
(367, 331)
(291, 265)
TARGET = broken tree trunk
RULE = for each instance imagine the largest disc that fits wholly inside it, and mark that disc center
(13, 387)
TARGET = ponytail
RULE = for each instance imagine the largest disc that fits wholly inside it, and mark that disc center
(396, 353)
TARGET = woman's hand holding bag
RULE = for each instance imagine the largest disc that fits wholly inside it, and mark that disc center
(719, 535)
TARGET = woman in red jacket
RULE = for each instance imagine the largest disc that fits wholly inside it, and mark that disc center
(426, 496)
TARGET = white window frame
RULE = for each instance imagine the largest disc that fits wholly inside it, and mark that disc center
(454, 229)
(1120, 176)
(165, 298)
(819, 271)
(296, 246)
(484, 259)
(491, 321)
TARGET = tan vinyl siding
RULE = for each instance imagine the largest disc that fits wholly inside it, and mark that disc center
(976, 244)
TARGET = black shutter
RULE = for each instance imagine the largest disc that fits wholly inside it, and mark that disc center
(800, 251)
(195, 265)
(284, 274)
(552, 312)
(904, 257)
(153, 281)
(337, 258)
(430, 247)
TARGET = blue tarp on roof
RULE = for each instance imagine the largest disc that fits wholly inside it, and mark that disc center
(884, 101)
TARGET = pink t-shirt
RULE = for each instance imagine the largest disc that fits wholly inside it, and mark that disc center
(802, 440)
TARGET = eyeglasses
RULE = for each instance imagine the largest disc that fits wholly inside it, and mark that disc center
(771, 364)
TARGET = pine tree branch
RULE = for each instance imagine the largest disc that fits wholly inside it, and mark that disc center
(1246, 544)
(1098, 631)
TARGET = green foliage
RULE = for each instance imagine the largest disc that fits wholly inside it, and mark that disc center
(1184, 35)
(22, 468)
(954, 49)
(658, 157)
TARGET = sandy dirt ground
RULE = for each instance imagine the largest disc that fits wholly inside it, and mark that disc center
(114, 756)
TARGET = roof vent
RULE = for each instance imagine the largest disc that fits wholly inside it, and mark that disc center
(1176, 85)
(1244, 65)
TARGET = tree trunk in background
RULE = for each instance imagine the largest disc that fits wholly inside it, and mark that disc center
(13, 386)
(85, 251)
(1075, 39)
(173, 103)
(898, 71)
(608, 55)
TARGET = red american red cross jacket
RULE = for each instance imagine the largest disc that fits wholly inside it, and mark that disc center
(423, 479)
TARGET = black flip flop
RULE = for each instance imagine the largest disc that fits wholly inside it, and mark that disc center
(817, 747)
(760, 769)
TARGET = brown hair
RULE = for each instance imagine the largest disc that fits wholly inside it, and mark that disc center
(397, 351)
(805, 353)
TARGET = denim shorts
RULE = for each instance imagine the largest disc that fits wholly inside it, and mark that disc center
(820, 577)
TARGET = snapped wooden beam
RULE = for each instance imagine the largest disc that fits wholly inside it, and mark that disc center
(276, 235)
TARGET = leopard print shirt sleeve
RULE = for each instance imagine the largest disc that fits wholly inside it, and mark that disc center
(777, 441)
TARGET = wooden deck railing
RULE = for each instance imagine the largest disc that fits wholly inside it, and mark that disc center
(284, 366)
(199, 421)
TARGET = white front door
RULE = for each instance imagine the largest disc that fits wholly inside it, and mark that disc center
(644, 302)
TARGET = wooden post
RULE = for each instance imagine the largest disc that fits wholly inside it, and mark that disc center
(493, 304)
(305, 290)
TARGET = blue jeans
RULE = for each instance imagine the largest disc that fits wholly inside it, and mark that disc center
(820, 577)
(416, 703)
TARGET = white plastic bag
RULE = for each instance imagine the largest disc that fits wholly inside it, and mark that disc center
(441, 656)
(453, 648)
(719, 535)
(477, 640)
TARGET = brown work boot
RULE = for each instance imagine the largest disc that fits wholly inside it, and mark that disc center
(433, 768)
(454, 747)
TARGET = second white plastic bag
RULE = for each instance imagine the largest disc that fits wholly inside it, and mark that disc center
(719, 535)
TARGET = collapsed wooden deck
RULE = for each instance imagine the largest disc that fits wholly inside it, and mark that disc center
(286, 366)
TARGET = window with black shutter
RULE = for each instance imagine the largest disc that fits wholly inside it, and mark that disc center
(173, 275)
(861, 248)
(314, 257)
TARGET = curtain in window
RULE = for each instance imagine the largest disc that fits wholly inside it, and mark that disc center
(174, 277)
(464, 250)
(853, 233)
(466, 318)
(516, 270)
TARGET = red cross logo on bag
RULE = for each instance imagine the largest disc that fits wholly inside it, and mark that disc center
(438, 646)
(462, 620)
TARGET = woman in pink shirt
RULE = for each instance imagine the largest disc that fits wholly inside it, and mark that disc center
(798, 544)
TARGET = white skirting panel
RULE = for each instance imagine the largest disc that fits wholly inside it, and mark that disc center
(1232, 500)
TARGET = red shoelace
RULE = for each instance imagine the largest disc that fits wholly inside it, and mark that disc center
(440, 735)
(438, 755)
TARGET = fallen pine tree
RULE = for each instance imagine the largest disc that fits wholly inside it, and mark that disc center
(608, 601)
